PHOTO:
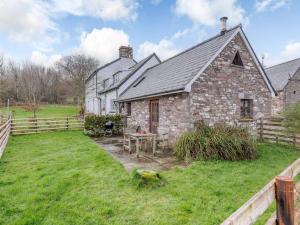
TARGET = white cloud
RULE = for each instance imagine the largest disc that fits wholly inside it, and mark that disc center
(272, 5)
(103, 9)
(290, 51)
(43, 59)
(165, 48)
(28, 21)
(208, 12)
(103, 44)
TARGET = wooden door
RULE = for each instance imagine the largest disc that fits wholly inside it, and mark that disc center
(154, 116)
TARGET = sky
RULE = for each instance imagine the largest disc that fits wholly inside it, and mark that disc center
(46, 30)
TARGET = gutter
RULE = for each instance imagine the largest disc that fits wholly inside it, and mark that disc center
(181, 90)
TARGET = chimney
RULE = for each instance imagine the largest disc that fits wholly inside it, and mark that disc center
(125, 52)
(223, 24)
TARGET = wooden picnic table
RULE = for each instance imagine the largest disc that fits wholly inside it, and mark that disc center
(139, 137)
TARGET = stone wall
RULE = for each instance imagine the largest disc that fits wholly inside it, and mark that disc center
(173, 114)
(216, 95)
(278, 103)
(292, 90)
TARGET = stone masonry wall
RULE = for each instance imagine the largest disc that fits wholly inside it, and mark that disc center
(292, 90)
(278, 103)
(173, 114)
(216, 95)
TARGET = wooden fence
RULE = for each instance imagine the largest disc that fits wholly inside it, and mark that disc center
(272, 129)
(4, 133)
(38, 125)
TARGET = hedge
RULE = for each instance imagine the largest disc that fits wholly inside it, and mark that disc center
(95, 125)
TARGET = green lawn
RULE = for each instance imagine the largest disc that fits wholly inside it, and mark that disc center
(65, 178)
(45, 111)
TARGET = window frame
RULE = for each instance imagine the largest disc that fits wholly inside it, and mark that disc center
(105, 83)
(116, 78)
(237, 54)
(246, 108)
(128, 108)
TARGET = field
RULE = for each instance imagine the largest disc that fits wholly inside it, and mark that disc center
(45, 111)
(65, 178)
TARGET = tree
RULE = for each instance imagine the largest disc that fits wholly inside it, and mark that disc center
(78, 68)
(31, 83)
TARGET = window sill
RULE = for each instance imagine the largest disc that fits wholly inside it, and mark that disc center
(237, 66)
(246, 120)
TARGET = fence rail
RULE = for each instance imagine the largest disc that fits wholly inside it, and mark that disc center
(272, 129)
(38, 125)
(4, 134)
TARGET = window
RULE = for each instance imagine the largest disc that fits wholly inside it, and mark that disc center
(105, 83)
(128, 108)
(237, 61)
(295, 92)
(246, 108)
(116, 78)
(112, 106)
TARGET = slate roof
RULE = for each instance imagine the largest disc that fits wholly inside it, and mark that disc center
(130, 72)
(175, 73)
(107, 65)
(281, 73)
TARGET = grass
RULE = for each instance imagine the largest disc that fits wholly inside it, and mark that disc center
(65, 178)
(45, 111)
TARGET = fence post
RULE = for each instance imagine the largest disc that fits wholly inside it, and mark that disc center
(67, 123)
(285, 205)
(36, 125)
(294, 140)
(261, 129)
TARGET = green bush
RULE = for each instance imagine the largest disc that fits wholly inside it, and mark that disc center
(220, 142)
(292, 118)
(147, 179)
(95, 125)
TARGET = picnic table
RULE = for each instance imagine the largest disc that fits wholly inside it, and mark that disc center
(139, 137)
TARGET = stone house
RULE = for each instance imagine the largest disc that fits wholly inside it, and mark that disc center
(217, 81)
(285, 78)
(105, 84)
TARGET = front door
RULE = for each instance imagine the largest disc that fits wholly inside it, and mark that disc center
(154, 116)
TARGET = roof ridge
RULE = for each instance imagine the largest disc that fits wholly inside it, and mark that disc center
(197, 45)
(283, 63)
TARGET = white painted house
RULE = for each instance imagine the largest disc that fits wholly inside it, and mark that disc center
(105, 84)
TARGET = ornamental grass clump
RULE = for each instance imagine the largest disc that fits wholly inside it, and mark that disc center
(220, 142)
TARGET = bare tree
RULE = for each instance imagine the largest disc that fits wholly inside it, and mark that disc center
(32, 88)
(78, 68)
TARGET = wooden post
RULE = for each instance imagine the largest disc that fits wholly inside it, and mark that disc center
(285, 204)
(67, 123)
(294, 140)
(36, 125)
(261, 130)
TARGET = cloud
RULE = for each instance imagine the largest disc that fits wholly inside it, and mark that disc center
(102, 44)
(43, 59)
(208, 12)
(103, 9)
(272, 5)
(34, 21)
(290, 51)
(28, 21)
(165, 48)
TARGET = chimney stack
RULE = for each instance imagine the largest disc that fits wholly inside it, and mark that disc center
(125, 52)
(223, 24)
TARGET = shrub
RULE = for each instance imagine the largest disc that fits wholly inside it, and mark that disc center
(221, 142)
(95, 125)
(147, 179)
(292, 118)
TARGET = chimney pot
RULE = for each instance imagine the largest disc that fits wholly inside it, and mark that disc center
(125, 52)
(223, 24)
